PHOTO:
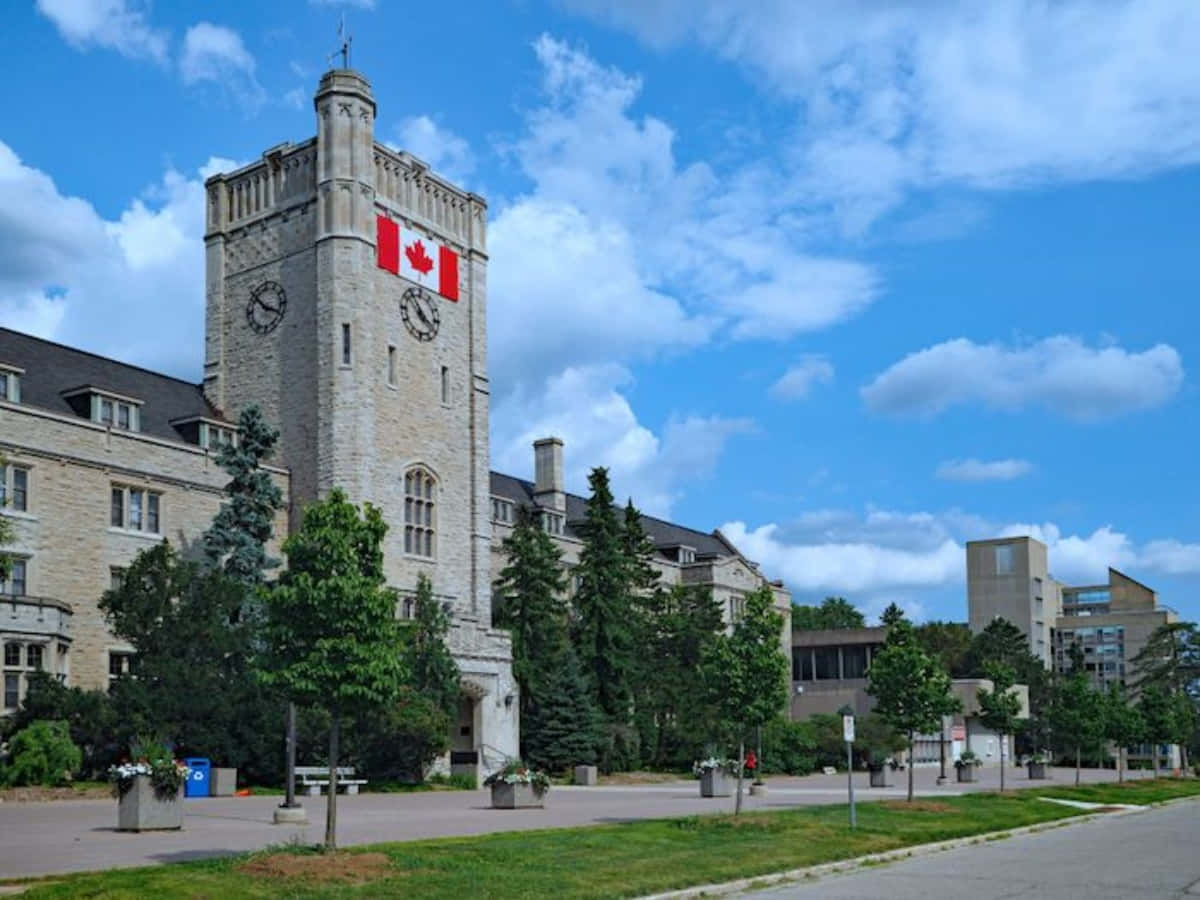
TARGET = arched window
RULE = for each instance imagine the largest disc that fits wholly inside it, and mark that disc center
(419, 521)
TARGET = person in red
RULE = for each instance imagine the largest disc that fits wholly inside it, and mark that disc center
(751, 760)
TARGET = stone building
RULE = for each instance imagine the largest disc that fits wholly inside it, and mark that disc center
(346, 296)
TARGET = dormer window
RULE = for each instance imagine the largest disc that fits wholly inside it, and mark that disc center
(687, 555)
(211, 434)
(502, 510)
(111, 410)
(552, 523)
(10, 383)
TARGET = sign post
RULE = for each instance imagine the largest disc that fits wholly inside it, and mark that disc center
(848, 737)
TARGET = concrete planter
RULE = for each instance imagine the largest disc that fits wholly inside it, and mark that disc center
(879, 778)
(1037, 771)
(758, 790)
(222, 782)
(139, 809)
(965, 774)
(716, 783)
(516, 796)
(586, 776)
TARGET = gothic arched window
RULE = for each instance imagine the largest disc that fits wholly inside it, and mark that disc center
(419, 520)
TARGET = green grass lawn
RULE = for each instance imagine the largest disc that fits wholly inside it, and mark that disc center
(609, 860)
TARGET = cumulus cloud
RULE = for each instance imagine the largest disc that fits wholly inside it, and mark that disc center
(1060, 374)
(798, 380)
(111, 24)
(444, 151)
(910, 95)
(132, 288)
(216, 54)
(584, 406)
(979, 470)
(880, 556)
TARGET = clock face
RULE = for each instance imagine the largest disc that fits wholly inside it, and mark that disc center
(266, 306)
(420, 314)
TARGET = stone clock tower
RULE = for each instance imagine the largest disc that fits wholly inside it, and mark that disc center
(346, 295)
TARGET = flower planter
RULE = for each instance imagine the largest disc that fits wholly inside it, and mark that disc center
(585, 775)
(879, 778)
(715, 783)
(222, 782)
(965, 774)
(516, 796)
(758, 789)
(140, 809)
(1037, 771)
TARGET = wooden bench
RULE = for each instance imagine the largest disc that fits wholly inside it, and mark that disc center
(312, 778)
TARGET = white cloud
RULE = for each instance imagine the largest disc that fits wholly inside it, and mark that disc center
(908, 95)
(585, 407)
(444, 151)
(112, 24)
(798, 380)
(68, 274)
(1060, 374)
(978, 470)
(879, 556)
(214, 53)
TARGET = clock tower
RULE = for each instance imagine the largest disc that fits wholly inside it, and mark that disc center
(346, 295)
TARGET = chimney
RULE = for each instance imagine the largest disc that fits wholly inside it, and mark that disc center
(548, 474)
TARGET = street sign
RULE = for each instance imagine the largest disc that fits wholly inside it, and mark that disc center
(848, 729)
(958, 732)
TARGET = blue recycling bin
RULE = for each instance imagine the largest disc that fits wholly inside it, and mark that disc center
(197, 783)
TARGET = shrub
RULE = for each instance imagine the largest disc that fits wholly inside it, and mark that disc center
(789, 748)
(401, 741)
(44, 754)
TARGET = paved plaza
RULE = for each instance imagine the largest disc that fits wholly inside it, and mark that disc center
(69, 836)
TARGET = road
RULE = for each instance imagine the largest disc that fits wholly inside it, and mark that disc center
(73, 836)
(1151, 855)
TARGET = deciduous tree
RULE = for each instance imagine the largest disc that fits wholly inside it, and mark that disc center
(1000, 708)
(1123, 724)
(834, 612)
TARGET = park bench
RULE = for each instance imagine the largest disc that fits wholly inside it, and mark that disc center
(312, 778)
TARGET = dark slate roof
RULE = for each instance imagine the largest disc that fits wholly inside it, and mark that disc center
(51, 369)
(661, 532)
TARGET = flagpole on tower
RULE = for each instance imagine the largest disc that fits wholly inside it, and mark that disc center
(345, 40)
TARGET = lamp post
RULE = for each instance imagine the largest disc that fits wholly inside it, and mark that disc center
(941, 779)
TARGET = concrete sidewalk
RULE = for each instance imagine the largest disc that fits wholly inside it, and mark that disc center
(72, 836)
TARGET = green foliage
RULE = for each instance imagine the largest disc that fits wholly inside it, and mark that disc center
(788, 748)
(400, 740)
(195, 683)
(1002, 643)
(1170, 659)
(564, 729)
(236, 540)
(674, 718)
(893, 615)
(531, 606)
(834, 612)
(95, 725)
(42, 753)
(875, 740)
(949, 643)
(604, 626)
(639, 550)
(432, 670)
(1123, 722)
(1077, 716)
(1000, 708)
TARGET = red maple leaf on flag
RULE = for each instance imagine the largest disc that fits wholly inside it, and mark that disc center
(417, 257)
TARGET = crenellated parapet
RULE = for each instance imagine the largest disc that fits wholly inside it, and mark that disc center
(406, 187)
(284, 178)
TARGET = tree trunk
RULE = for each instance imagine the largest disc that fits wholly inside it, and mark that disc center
(1002, 737)
(1077, 766)
(331, 806)
(910, 767)
(1183, 760)
(1154, 754)
(737, 804)
(1120, 765)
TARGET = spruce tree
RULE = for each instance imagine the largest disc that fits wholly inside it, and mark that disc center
(603, 633)
(564, 728)
(639, 550)
(893, 615)
(531, 606)
(432, 670)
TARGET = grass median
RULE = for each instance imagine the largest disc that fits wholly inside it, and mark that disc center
(603, 861)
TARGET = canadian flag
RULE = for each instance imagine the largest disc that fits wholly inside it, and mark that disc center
(404, 252)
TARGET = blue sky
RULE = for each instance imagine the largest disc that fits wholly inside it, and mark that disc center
(856, 282)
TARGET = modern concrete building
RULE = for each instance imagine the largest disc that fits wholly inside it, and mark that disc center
(1010, 578)
(346, 296)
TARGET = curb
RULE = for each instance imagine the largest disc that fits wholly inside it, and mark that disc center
(820, 870)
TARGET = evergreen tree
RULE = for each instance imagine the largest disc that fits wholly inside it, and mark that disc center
(432, 671)
(531, 606)
(911, 689)
(333, 638)
(604, 633)
(564, 727)
(1000, 708)
(236, 541)
(949, 642)
(639, 550)
(1170, 659)
(893, 615)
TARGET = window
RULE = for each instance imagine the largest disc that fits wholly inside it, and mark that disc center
(12, 690)
(1004, 559)
(14, 488)
(418, 513)
(116, 578)
(391, 365)
(106, 412)
(445, 385)
(12, 655)
(345, 343)
(502, 510)
(737, 608)
(14, 585)
(552, 523)
(123, 416)
(119, 663)
(135, 509)
(33, 657)
(7, 385)
(827, 663)
(687, 555)
(854, 662)
(214, 436)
